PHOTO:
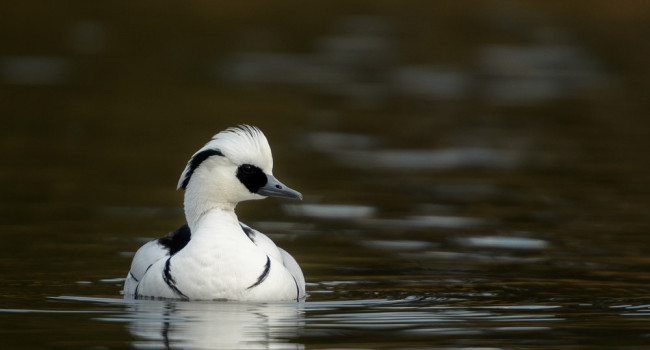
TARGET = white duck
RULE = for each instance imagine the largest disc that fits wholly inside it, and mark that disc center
(214, 256)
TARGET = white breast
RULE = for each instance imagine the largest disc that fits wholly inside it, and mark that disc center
(222, 261)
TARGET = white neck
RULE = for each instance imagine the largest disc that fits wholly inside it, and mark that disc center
(199, 205)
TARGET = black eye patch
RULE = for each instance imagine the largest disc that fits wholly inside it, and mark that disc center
(251, 176)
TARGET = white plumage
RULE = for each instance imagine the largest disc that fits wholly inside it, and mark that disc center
(214, 256)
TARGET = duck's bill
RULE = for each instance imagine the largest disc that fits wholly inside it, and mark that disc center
(275, 188)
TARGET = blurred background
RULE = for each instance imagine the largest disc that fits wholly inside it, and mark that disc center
(506, 140)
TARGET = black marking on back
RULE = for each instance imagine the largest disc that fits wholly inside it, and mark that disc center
(264, 274)
(196, 160)
(248, 231)
(252, 177)
(169, 279)
(177, 240)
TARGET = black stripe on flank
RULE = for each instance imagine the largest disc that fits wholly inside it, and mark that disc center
(264, 274)
(252, 177)
(135, 279)
(196, 160)
(169, 279)
(177, 240)
(248, 231)
(138, 286)
(297, 288)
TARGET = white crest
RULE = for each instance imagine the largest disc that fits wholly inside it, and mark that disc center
(244, 144)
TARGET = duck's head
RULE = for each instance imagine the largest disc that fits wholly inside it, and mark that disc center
(236, 165)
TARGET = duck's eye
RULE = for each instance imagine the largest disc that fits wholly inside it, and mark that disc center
(247, 169)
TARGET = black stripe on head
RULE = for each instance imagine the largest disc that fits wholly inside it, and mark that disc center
(252, 177)
(196, 160)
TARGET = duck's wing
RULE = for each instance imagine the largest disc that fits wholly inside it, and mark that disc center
(292, 265)
(279, 254)
(262, 241)
(153, 251)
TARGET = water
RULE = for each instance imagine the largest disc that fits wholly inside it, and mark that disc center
(490, 193)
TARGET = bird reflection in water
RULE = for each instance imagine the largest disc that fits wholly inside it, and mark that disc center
(215, 325)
